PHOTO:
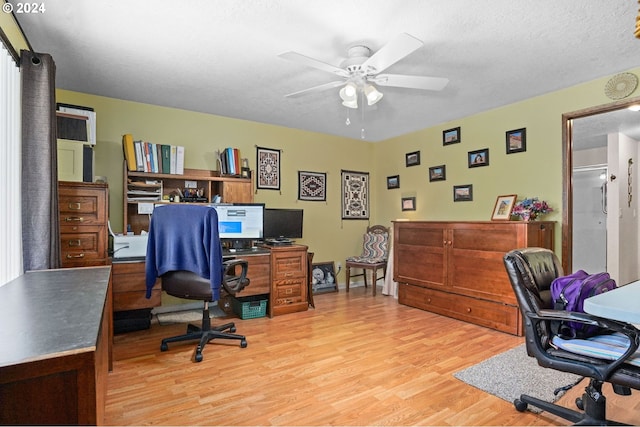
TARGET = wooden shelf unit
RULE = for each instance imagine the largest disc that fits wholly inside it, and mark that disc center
(456, 268)
(230, 189)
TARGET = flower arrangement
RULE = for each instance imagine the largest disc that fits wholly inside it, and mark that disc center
(531, 208)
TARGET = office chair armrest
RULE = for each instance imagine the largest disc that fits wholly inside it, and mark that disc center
(608, 325)
(231, 282)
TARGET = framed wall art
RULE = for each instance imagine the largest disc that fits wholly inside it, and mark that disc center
(268, 161)
(451, 136)
(516, 141)
(463, 193)
(312, 186)
(393, 182)
(323, 277)
(355, 195)
(437, 173)
(504, 206)
(408, 203)
(412, 159)
(478, 158)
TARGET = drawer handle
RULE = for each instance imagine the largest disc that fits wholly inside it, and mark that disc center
(74, 206)
(288, 274)
(73, 243)
(429, 300)
(74, 219)
(69, 256)
(468, 309)
(289, 291)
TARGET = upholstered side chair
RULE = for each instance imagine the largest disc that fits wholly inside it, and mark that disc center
(375, 249)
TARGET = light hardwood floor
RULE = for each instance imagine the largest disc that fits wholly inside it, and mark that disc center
(353, 360)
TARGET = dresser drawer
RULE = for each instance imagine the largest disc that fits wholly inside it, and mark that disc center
(289, 290)
(289, 265)
(82, 209)
(88, 243)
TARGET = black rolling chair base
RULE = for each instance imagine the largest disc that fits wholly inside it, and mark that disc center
(593, 402)
(225, 331)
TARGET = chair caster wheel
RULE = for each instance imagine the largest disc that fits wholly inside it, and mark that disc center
(164, 347)
(243, 343)
(232, 329)
(198, 357)
(520, 405)
(580, 403)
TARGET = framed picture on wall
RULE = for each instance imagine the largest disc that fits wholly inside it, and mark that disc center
(463, 193)
(516, 141)
(412, 159)
(451, 136)
(437, 173)
(393, 182)
(408, 203)
(478, 158)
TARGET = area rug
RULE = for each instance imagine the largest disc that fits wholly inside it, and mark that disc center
(512, 373)
(188, 316)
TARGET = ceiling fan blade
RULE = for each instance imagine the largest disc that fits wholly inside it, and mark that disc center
(316, 89)
(411, 82)
(401, 46)
(314, 63)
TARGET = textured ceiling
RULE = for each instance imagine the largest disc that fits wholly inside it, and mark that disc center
(221, 56)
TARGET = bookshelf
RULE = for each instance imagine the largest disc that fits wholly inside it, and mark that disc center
(143, 189)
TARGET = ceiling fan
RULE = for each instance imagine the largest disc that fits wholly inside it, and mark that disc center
(361, 70)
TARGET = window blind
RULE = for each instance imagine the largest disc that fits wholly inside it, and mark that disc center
(10, 164)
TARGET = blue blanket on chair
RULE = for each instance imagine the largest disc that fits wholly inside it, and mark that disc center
(184, 237)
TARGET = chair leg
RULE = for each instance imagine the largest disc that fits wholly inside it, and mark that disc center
(364, 273)
(348, 273)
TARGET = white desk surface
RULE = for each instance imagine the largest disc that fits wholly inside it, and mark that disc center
(621, 304)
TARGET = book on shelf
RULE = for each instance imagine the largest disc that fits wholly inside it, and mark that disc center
(143, 156)
(229, 161)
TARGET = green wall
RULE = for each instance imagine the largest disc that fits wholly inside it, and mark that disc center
(536, 172)
(330, 238)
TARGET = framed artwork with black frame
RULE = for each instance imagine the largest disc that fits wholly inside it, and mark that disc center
(393, 182)
(478, 158)
(463, 193)
(451, 136)
(412, 159)
(437, 173)
(503, 207)
(408, 203)
(516, 140)
(355, 194)
(323, 277)
(268, 175)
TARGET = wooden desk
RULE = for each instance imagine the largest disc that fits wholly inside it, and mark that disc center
(55, 330)
(619, 304)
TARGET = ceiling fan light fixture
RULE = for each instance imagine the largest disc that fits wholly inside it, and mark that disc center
(372, 94)
(353, 103)
(349, 92)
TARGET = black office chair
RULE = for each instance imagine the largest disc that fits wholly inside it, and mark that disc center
(184, 250)
(531, 271)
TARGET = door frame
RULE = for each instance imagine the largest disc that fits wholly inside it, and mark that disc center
(567, 168)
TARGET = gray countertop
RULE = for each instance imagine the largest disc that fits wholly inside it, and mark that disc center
(49, 312)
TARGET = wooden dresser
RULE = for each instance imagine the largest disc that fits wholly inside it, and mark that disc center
(83, 223)
(289, 278)
(456, 268)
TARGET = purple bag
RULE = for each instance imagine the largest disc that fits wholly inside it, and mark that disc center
(569, 292)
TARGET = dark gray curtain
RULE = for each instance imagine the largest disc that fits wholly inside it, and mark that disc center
(40, 224)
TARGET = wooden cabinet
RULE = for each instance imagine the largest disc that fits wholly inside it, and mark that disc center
(456, 268)
(258, 272)
(129, 287)
(289, 278)
(205, 183)
(83, 211)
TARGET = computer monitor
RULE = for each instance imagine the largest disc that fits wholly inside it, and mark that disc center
(283, 223)
(240, 221)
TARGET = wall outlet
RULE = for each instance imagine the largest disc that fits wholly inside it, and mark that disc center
(339, 265)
